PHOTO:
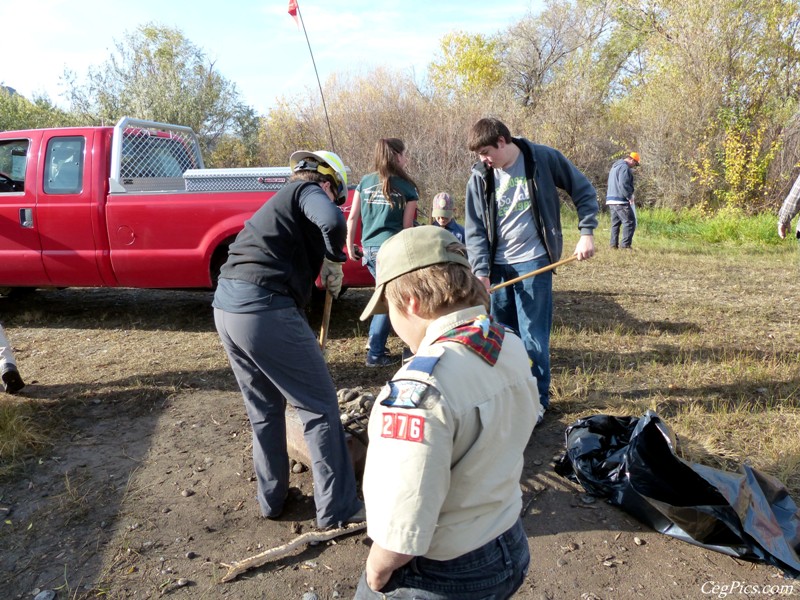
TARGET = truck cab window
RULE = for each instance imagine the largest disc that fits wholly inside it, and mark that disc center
(13, 160)
(64, 166)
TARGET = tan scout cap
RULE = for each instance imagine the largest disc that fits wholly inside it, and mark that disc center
(409, 250)
(442, 205)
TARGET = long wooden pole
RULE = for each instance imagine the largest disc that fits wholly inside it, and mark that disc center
(326, 319)
(533, 273)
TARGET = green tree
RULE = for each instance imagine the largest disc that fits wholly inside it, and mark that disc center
(17, 112)
(240, 147)
(158, 74)
(466, 64)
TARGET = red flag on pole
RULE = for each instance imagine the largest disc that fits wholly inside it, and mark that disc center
(293, 11)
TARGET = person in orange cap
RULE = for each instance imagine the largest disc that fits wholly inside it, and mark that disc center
(620, 200)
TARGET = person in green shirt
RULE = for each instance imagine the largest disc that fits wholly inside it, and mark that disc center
(384, 203)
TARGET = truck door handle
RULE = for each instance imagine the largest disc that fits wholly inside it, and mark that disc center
(26, 217)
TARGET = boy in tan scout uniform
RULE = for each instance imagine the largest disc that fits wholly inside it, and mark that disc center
(447, 433)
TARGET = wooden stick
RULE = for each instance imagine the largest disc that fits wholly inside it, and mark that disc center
(326, 318)
(238, 567)
(532, 273)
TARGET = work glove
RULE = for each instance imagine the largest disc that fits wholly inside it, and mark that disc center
(332, 276)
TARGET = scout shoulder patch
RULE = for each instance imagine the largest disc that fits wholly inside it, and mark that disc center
(403, 393)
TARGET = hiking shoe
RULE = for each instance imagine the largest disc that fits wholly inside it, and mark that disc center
(541, 416)
(357, 517)
(382, 361)
(12, 382)
(385, 349)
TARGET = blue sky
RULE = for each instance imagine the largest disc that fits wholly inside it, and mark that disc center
(255, 44)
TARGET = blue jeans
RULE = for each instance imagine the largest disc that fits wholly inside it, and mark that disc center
(492, 572)
(527, 307)
(380, 325)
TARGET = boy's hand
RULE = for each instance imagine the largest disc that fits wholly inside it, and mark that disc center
(381, 563)
(377, 579)
(585, 247)
(354, 252)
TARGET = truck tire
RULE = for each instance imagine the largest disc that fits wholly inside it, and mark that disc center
(217, 260)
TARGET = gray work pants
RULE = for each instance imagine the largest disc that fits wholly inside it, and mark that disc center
(276, 359)
(622, 214)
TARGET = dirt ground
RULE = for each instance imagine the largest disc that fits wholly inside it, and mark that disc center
(145, 484)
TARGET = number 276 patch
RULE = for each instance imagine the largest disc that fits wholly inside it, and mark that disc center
(399, 426)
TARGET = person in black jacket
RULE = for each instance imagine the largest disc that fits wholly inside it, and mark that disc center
(513, 227)
(259, 313)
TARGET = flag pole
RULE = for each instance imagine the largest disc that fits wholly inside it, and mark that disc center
(294, 7)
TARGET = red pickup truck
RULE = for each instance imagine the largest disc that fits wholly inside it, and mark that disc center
(129, 206)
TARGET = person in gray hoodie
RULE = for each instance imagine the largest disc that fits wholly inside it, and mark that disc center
(619, 199)
(513, 227)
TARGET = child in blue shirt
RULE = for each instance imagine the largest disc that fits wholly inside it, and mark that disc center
(442, 214)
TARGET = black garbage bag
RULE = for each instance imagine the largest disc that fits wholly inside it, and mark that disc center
(632, 462)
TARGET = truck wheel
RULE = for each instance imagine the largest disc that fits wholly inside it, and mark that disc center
(217, 260)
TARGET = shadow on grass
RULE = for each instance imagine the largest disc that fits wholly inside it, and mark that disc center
(111, 308)
(600, 313)
(143, 309)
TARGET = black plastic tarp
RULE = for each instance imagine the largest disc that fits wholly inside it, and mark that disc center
(631, 461)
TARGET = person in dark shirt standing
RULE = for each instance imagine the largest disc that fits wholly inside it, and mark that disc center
(620, 200)
(259, 305)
